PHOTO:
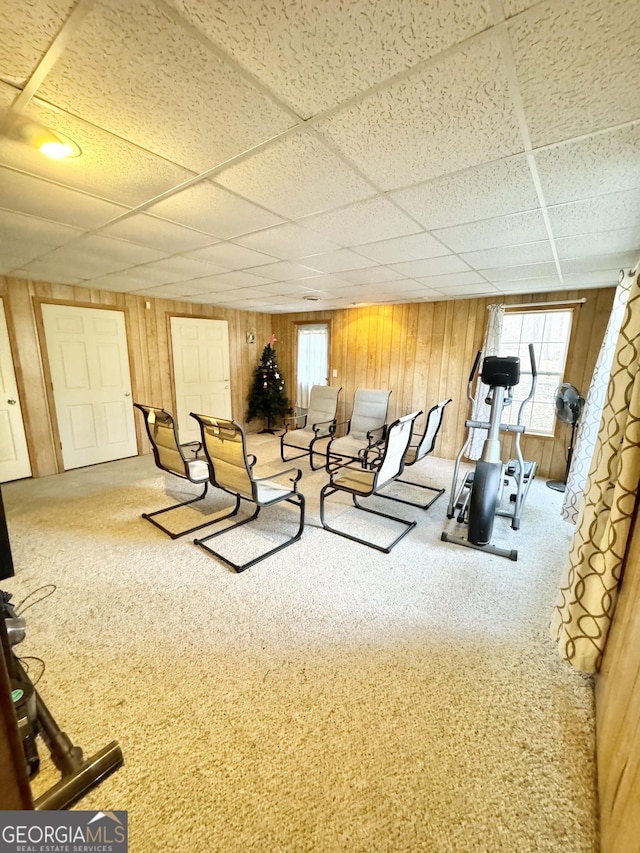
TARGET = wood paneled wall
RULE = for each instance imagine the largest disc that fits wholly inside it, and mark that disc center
(424, 352)
(618, 713)
(149, 351)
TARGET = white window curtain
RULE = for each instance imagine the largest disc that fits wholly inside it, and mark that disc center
(589, 424)
(313, 360)
(481, 411)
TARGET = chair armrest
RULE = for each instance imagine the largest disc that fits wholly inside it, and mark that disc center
(194, 446)
(279, 474)
(341, 424)
(287, 426)
(375, 436)
(330, 424)
(333, 467)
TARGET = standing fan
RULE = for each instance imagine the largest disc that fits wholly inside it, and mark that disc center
(568, 405)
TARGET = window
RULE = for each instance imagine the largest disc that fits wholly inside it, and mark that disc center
(549, 333)
(313, 360)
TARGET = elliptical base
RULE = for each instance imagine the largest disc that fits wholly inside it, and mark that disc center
(509, 553)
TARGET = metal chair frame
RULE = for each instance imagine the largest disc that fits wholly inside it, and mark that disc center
(169, 456)
(361, 482)
(365, 429)
(319, 421)
(425, 445)
(231, 469)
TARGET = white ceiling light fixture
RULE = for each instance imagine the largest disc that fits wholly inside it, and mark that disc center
(20, 127)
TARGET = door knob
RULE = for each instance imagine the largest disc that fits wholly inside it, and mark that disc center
(127, 393)
(12, 402)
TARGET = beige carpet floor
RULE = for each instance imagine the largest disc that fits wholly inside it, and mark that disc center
(331, 698)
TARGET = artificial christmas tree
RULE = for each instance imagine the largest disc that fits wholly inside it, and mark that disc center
(267, 398)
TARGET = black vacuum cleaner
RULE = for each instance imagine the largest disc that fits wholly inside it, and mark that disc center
(78, 775)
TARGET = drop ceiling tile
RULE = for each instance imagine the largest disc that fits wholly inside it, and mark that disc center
(622, 260)
(473, 291)
(437, 282)
(404, 289)
(284, 271)
(412, 248)
(595, 215)
(291, 177)
(176, 268)
(323, 282)
(160, 86)
(213, 210)
(32, 236)
(514, 7)
(494, 233)
(527, 253)
(600, 278)
(606, 243)
(517, 272)
(125, 281)
(432, 266)
(488, 190)
(342, 260)
(40, 270)
(363, 222)
(157, 233)
(95, 255)
(109, 167)
(591, 167)
(240, 278)
(449, 116)
(11, 262)
(288, 242)
(575, 68)
(531, 285)
(26, 194)
(275, 288)
(370, 275)
(26, 31)
(231, 256)
(320, 57)
(174, 290)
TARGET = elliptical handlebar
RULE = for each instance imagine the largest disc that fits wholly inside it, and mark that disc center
(534, 382)
(474, 370)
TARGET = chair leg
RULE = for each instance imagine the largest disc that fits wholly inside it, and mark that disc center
(290, 458)
(328, 490)
(296, 500)
(150, 516)
(426, 506)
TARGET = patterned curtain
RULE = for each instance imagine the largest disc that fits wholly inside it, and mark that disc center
(588, 595)
(481, 411)
(589, 425)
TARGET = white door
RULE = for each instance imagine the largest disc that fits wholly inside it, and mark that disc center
(89, 362)
(14, 456)
(200, 371)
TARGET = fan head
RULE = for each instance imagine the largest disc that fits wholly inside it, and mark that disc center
(568, 403)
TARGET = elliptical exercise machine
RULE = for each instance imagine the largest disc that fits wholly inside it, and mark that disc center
(478, 498)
